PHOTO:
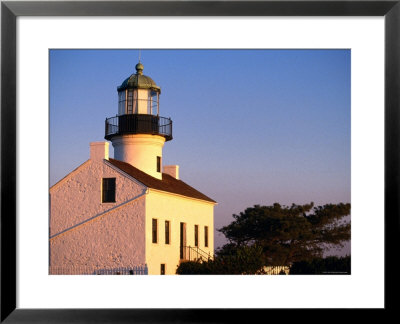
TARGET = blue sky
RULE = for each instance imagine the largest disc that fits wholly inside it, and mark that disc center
(249, 126)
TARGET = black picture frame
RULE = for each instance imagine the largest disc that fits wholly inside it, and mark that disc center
(10, 10)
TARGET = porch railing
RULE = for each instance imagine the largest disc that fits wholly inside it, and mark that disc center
(194, 253)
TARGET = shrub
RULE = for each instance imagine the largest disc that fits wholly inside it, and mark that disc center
(243, 260)
(193, 267)
(328, 265)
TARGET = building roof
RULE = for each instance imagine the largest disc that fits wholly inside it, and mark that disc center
(168, 183)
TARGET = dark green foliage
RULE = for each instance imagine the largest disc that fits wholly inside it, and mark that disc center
(288, 234)
(194, 267)
(329, 265)
(245, 260)
(240, 260)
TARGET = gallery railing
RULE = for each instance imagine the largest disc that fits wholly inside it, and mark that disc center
(138, 124)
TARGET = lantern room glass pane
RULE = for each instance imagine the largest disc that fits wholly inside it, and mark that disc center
(121, 102)
(130, 102)
(143, 101)
(153, 103)
(149, 106)
(135, 104)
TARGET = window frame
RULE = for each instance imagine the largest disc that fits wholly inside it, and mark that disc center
(154, 232)
(105, 192)
(196, 235)
(205, 236)
(167, 233)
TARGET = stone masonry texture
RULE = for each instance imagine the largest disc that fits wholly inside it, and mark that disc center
(84, 232)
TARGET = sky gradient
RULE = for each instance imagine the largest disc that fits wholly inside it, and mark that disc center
(249, 126)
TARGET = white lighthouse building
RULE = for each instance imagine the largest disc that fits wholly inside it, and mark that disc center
(129, 211)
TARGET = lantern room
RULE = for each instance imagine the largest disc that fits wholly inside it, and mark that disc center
(138, 109)
(138, 94)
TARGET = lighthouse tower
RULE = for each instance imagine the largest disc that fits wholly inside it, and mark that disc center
(137, 132)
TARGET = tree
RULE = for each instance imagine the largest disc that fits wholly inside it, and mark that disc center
(288, 234)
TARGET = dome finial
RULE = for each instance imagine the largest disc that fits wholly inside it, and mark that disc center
(139, 68)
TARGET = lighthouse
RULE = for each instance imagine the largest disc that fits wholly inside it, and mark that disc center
(138, 132)
(129, 214)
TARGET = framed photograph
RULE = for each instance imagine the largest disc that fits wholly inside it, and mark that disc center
(47, 47)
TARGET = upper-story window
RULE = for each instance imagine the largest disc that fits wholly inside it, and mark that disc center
(108, 190)
(167, 232)
(206, 236)
(154, 234)
(196, 235)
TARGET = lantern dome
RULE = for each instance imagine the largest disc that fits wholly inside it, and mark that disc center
(139, 81)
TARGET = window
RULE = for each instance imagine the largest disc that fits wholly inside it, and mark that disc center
(196, 235)
(158, 163)
(154, 230)
(167, 235)
(108, 190)
(162, 268)
(206, 236)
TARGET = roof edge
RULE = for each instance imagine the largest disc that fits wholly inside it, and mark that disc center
(68, 175)
(168, 183)
(183, 196)
(122, 172)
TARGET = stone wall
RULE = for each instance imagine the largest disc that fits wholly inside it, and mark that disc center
(86, 232)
